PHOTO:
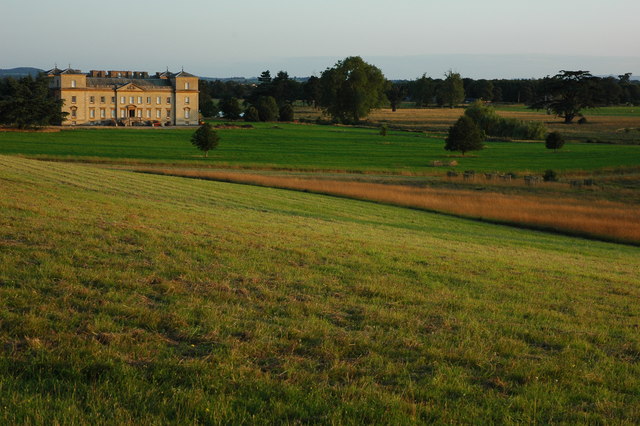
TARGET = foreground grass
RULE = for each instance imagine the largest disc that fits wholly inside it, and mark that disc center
(139, 298)
(308, 147)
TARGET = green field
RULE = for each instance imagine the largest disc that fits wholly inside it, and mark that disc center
(613, 111)
(151, 299)
(309, 147)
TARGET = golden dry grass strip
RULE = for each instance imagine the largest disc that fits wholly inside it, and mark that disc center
(605, 220)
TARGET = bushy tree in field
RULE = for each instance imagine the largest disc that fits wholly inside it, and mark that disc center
(451, 90)
(205, 138)
(351, 89)
(267, 108)
(464, 136)
(554, 141)
(286, 113)
(230, 108)
(28, 102)
(567, 93)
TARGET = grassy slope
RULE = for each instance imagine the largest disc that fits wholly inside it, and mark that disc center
(145, 298)
(309, 147)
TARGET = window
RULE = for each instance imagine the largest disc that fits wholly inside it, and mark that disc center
(148, 100)
(186, 112)
(123, 112)
(103, 113)
(123, 100)
(139, 113)
(73, 83)
(168, 113)
(158, 100)
(113, 113)
(186, 86)
(73, 99)
(148, 113)
(168, 100)
(74, 112)
(139, 99)
(92, 99)
(113, 99)
(186, 100)
(158, 113)
(131, 99)
(92, 113)
(102, 99)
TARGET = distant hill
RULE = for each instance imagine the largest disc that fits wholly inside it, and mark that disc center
(20, 72)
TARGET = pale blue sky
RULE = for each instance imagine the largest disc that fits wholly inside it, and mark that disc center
(212, 38)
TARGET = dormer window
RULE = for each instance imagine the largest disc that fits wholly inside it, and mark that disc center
(186, 86)
(73, 83)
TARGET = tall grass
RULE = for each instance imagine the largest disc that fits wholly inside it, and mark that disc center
(596, 219)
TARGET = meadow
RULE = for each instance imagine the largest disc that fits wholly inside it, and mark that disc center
(136, 298)
(309, 147)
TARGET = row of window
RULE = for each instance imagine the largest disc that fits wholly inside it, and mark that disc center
(132, 99)
(123, 113)
(74, 84)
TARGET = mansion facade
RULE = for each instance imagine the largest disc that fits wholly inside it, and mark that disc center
(126, 98)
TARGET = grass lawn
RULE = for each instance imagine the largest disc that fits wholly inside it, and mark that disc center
(308, 147)
(153, 299)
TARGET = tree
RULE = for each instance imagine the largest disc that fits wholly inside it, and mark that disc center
(422, 90)
(230, 108)
(207, 106)
(311, 91)
(286, 113)
(267, 108)
(28, 102)
(567, 93)
(554, 141)
(396, 93)
(205, 138)
(464, 136)
(351, 89)
(451, 91)
(251, 114)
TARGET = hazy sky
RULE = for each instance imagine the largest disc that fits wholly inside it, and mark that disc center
(214, 38)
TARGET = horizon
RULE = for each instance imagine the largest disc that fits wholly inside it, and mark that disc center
(536, 66)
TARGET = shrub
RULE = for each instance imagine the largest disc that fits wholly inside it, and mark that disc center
(494, 125)
(583, 120)
(554, 141)
(550, 176)
(383, 130)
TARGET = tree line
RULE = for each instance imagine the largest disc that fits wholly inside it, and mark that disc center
(351, 88)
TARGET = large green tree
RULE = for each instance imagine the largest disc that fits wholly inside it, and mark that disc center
(451, 90)
(28, 102)
(351, 89)
(566, 94)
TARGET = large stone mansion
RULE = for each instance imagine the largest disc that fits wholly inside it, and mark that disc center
(126, 98)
